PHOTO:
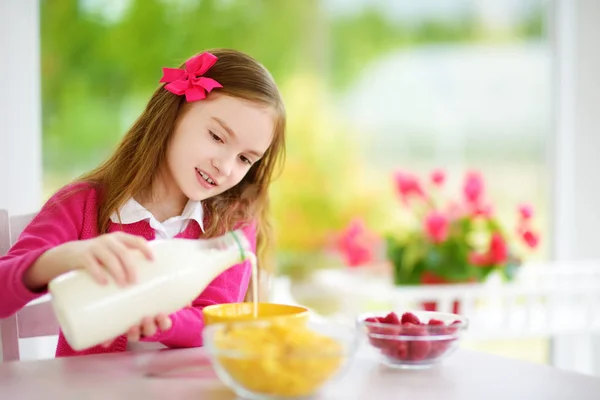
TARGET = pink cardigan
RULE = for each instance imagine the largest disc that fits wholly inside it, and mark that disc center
(71, 214)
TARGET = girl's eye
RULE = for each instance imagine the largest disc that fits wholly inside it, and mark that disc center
(245, 160)
(215, 137)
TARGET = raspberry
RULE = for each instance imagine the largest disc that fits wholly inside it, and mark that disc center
(409, 317)
(437, 327)
(388, 329)
(417, 349)
(435, 322)
(398, 351)
(453, 327)
(391, 318)
(439, 347)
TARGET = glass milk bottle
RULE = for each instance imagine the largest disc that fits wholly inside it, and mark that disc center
(90, 313)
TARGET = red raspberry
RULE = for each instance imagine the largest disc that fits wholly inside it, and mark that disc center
(391, 318)
(435, 322)
(397, 351)
(453, 327)
(439, 347)
(411, 318)
(418, 349)
(436, 327)
(383, 329)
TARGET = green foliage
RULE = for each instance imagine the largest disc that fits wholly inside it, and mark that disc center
(449, 260)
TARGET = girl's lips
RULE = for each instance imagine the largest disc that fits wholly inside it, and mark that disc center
(203, 182)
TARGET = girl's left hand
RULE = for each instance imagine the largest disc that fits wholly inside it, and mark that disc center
(147, 328)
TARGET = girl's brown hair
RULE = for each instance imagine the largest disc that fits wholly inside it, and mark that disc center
(136, 162)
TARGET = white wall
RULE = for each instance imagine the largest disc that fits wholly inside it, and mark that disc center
(20, 105)
(576, 156)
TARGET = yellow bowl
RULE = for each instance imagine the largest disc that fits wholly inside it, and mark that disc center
(236, 312)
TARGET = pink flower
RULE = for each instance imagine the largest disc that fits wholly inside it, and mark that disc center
(454, 210)
(530, 238)
(482, 210)
(473, 187)
(526, 211)
(438, 177)
(356, 244)
(436, 226)
(408, 185)
(498, 251)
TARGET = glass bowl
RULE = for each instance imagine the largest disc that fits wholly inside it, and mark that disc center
(272, 359)
(413, 339)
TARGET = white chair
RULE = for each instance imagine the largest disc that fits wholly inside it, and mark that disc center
(4, 233)
(37, 318)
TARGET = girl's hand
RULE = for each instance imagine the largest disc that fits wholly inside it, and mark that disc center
(147, 328)
(112, 253)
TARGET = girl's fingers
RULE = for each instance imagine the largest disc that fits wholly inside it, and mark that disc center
(133, 335)
(137, 242)
(148, 327)
(164, 322)
(126, 262)
(95, 269)
(112, 263)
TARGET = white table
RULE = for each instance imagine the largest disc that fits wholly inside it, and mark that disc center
(466, 375)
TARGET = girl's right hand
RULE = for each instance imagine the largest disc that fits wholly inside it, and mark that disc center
(110, 253)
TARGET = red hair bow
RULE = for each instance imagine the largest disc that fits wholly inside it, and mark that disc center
(189, 81)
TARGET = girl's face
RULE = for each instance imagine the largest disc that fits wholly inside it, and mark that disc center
(214, 144)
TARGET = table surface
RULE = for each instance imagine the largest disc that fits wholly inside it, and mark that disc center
(187, 374)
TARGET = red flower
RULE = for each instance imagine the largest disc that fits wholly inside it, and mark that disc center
(436, 226)
(408, 185)
(497, 253)
(498, 249)
(473, 187)
(531, 239)
(482, 210)
(438, 177)
(526, 211)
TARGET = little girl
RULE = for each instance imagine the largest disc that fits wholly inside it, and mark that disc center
(196, 163)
